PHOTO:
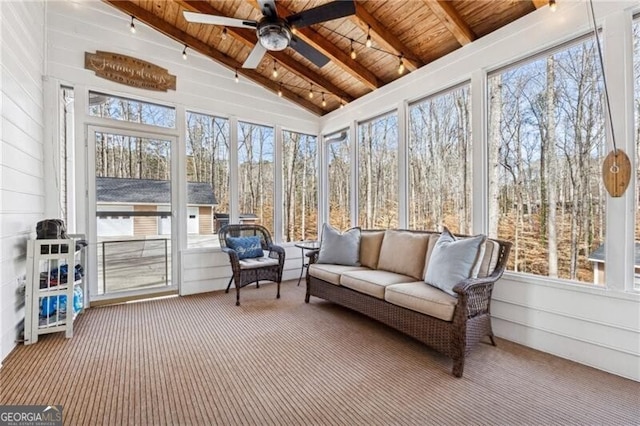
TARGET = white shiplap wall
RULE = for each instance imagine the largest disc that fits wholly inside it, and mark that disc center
(22, 57)
(208, 269)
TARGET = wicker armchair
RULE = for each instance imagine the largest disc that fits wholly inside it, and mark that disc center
(248, 271)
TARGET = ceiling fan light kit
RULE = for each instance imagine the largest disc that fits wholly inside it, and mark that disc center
(274, 36)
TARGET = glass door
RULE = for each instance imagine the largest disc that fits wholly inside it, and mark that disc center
(131, 204)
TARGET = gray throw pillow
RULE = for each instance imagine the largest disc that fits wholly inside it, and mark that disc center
(453, 261)
(340, 248)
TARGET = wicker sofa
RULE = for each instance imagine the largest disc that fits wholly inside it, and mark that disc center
(389, 286)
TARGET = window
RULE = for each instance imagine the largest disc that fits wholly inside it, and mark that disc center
(440, 162)
(378, 172)
(300, 187)
(546, 145)
(255, 174)
(339, 180)
(133, 111)
(207, 145)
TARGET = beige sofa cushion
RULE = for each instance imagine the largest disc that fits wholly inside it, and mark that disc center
(404, 252)
(490, 258)
(423, 298)
(331, 273)
(370, 244)
(433, 239)
(372, 282)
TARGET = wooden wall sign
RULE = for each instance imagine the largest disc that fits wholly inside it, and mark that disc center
(130, 71)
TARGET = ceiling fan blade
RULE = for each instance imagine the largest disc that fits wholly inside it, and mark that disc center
(203, 18)
(254, 58)
(326, 12)
(309, 52)
(268, 8)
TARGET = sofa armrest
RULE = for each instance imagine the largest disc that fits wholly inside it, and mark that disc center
(474, 295)
(313, 256)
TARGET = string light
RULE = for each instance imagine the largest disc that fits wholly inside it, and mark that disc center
(275, 70)
(236, 77)
(552, 5)
(132, 27)
(400, 65)
(184, 53)
(311, 93)
(369, 43)
(224, 33)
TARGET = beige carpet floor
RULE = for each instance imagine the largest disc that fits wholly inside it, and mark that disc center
(201, 360)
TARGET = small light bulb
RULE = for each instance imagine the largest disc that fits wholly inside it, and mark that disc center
(132, 27)
(553, 5)
(341, 105)
(310, 94)
(224, 33)
(236, 77)
(275, 70)
(353, 54)
(324, 102)
(184, 53)
(400, 66)
(368, 43)
(280, 92)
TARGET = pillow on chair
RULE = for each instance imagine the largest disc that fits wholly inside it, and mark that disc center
(340, 248)
(246, 247)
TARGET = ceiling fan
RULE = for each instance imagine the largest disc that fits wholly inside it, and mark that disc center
(275, 33)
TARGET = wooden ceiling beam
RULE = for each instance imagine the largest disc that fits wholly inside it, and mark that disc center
(337, 56)
(198, 45)
(383, 37)
(451, 19)
(539, 3)
(248, 37)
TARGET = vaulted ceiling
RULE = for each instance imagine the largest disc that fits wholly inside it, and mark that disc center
(411, 32)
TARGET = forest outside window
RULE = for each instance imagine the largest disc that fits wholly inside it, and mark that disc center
(208, 170)
(440, 162)
(339, 180)
(256, 174)
(378, 172)
(546, 144)
(300, 187)
(131, 110)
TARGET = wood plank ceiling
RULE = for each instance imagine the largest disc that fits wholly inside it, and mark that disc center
(414, 32)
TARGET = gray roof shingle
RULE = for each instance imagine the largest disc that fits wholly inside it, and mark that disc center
(598, 254)
(125, 190)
